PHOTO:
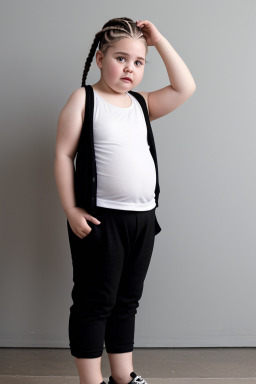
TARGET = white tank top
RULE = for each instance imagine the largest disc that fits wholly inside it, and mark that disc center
(126, 174)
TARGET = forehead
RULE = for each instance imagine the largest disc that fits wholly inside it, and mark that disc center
(131, 46)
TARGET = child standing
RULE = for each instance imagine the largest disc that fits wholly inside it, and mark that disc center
(115, 188)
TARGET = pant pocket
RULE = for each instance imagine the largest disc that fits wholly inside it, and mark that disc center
(157, 226)
(73, 236)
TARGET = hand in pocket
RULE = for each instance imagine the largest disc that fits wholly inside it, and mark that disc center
(78, 220)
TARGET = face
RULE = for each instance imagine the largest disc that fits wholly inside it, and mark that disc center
(114, 66)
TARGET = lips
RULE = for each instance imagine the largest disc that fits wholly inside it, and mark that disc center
(126, 78)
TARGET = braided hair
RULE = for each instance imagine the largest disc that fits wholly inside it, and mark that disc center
(112, 31)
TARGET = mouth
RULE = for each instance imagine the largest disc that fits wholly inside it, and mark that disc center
(126, 79)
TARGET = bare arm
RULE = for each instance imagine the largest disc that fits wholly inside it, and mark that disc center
(165, 100)
(68, 133)
(182, 85)
(69, 129)
(64, 176)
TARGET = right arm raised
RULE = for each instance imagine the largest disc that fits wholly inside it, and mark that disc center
(69, 128)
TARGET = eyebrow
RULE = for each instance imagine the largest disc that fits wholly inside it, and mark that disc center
(126, 54)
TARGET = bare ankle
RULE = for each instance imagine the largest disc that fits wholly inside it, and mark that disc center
(98, 382)
(122, 379)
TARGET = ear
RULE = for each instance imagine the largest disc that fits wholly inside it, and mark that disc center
(99, 58)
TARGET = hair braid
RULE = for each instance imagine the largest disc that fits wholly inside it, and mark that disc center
(112, 31)
(90, 58)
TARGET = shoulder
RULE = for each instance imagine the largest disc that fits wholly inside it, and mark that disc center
(78, 96)
(76, 101)
(70, 123)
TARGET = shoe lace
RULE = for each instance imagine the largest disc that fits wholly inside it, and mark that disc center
(138, 379)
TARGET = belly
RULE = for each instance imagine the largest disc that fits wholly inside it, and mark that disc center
(125, 176)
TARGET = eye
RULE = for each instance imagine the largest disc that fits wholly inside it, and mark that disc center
(139, 62)
(120, 57)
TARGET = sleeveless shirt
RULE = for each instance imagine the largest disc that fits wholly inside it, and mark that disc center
(126, 174)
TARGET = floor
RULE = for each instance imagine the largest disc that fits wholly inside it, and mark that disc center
(155, 365)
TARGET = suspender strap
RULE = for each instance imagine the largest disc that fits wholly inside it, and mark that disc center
(151, 140)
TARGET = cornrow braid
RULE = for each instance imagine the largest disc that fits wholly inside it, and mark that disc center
(112, 31)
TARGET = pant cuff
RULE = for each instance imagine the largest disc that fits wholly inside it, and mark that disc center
(119, 350)
(86, 354)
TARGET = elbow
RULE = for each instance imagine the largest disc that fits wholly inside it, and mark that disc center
(192, 90)
(193, 87)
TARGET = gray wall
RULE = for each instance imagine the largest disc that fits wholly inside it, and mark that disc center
(200, 287)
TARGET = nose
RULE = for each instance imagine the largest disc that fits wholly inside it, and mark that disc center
(128, 68)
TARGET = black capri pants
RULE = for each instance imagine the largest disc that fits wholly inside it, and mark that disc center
(109, 268)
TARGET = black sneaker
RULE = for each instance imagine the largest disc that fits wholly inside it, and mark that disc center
(135, 379)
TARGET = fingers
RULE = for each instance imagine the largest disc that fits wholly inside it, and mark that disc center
(93, 219)
(83, 233)
(80, 227)
(141, 23)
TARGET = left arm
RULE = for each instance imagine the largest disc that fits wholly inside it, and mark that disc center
(165, 100)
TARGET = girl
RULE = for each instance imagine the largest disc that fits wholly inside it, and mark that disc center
(114, 188)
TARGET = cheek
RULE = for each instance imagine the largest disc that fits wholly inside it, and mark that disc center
(114, 70)
(141, 73)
